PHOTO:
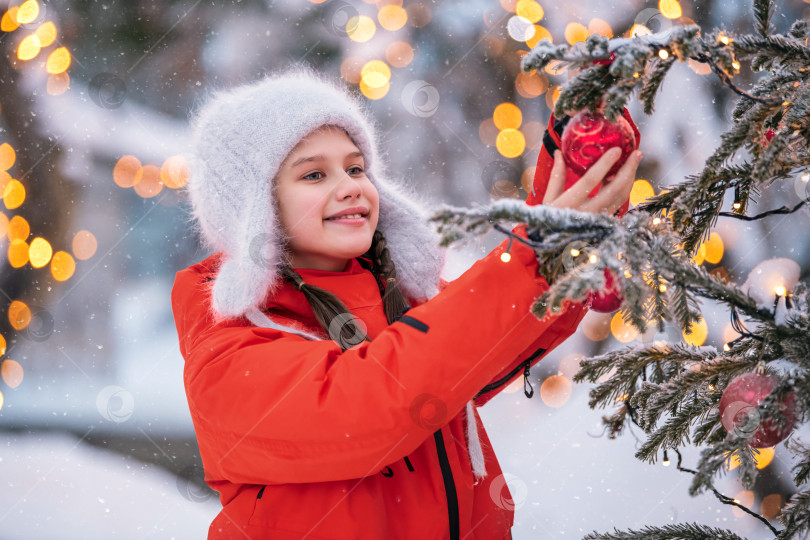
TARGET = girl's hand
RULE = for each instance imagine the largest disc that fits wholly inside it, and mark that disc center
(611, 195)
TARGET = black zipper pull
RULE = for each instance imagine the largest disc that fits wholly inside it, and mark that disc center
(530, 392)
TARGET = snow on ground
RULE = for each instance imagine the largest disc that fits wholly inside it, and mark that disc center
(55, 486)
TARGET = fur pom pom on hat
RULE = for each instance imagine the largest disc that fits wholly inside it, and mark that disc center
(241, 137)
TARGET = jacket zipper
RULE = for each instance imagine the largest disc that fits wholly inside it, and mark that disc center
(525, 366)
(449, 486)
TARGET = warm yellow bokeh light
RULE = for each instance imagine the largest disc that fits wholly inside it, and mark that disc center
(11, 371)
(556, 391)
(700, 255)
(174, 172)
(530, 85)
(714, 248)
(697, 333)
(128, 171)
(510, 143)
(18, 228)
(374, 93)
(596, 326)
(540, 33)
(7, 156)
(745, 498)
(62, 265)
(19, 315)
(601, 27)
(771, 505)
(46, 33)
(671, 9)
(399, 54)
(17, 253)
(9, 21)
(701, 68)
(13, 194)
(487, 132)
(639, 30)
(642, 190)
(150, 184)
(58, 61)
(375, 74)
(509, 5)
(350, 69)
(2, 345)
(575, 32)
(3, 225)
(84, 245)
(39, 252)
(1, 400)
(29, 47)
(621, 330)
(530, 10)
(392, 17)
(58, 84)
(27, 12)
(507, 115)
(361, 28)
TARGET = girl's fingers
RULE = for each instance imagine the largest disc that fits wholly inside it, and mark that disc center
(613, 195)
(578, 193)
(556, 182)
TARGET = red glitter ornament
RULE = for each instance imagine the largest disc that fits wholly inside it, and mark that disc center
(608, 299)
(739, 412)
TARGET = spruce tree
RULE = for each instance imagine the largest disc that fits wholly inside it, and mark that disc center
(673, 391)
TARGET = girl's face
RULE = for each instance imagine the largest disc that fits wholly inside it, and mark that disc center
(324, 177)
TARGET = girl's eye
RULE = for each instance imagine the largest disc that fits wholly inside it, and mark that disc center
(309, 176)
(358, 169)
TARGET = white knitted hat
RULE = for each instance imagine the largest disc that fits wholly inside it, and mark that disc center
(240, 139)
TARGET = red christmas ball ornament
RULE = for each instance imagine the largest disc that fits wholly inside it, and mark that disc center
(587, 137)
(608, 299)
(739, 412)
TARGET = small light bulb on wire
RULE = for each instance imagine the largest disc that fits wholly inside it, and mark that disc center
(806, 177)
(780, 290)
(592, 259)
(506, 257)
(724, 40)
(664, 54)
(665, 463)
(574, 252)
(656, 221)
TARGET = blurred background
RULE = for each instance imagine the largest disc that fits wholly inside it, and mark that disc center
(94, 103)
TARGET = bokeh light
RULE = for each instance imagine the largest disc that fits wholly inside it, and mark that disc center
(11, 371)
(13, 194)
(39, 252)
(350, 69)
(671, 9)
(540, 33)
(360, 28)
(714, 248)
(174, 172)
(531, 85)
(374, 93)
(556, 391)
(46, 33)
(771, 505)
(419, 14)
(27, 12)
(399, 54)
(7, 156)
(488, 132)
(745, 498)
(58, 61)
(17, 253)
(601, 27)
(19, 314)
(510, 143)
(128, 171)
(9, 21)
(507, 115)
(58, 84)
(18, 228)
(375, 74)
(621, 330)
(150, 184)
(697, 333)
(529, 10)
(62, 265)
(84, 245)
(641, 191)
(392, 17)
(29, 47)
(575, 32)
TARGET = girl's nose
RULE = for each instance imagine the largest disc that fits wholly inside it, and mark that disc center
(348, 187)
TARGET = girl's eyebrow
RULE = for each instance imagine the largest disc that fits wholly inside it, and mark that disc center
(321, 157)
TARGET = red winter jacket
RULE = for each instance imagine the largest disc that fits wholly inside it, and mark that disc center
(302, 440)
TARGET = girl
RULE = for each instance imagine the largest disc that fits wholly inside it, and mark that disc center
(331, 385)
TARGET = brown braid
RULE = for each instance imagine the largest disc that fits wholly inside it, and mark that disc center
(394, 302)
(332, 314)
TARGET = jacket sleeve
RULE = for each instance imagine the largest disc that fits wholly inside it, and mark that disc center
(272, 407)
